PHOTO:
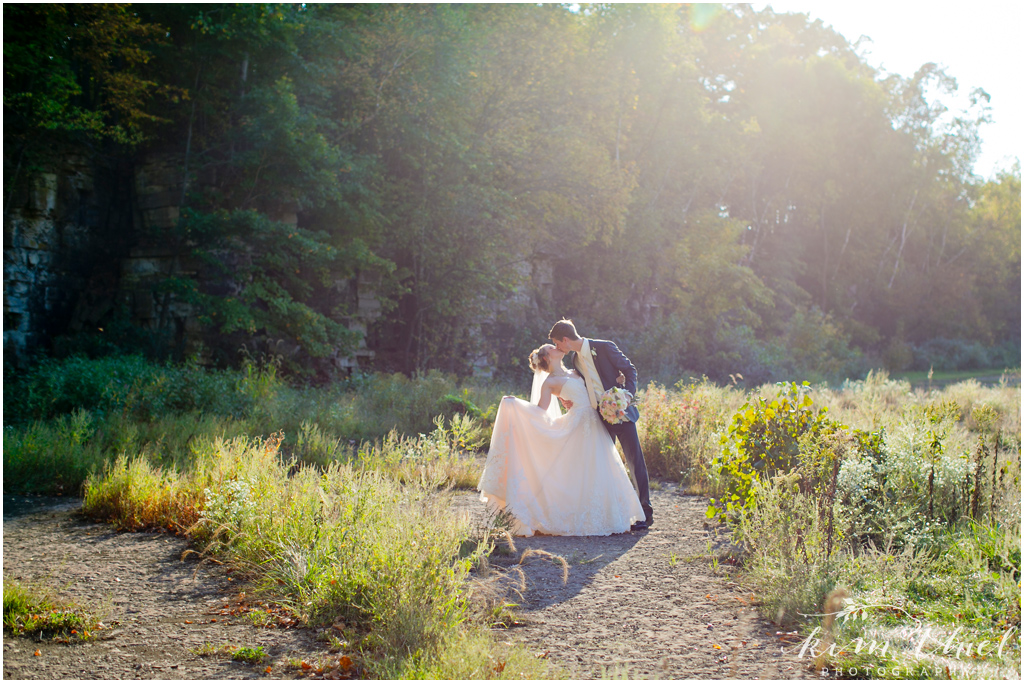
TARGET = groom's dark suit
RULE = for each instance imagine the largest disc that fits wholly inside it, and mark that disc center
(609, 362)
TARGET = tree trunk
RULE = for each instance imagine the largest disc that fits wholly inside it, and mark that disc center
(903, 241)
(188, 138)
(245, 74)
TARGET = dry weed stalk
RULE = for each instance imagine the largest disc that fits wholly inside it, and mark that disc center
(507, 537)
(555, 559)
(833, 605)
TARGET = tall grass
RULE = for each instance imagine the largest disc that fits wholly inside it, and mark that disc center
(680, 430)
(340, 544)
(65, 420)
(135, 494)
(333, 501)
(930, 605)
(54, 456)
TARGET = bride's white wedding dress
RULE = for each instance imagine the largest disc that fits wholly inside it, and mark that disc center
(558, 475)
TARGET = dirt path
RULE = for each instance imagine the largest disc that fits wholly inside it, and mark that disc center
(644, 605)
(161, 610)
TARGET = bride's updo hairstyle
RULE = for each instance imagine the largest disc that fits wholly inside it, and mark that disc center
(539, 359)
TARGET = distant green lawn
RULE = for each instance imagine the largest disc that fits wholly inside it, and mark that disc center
(944, 377)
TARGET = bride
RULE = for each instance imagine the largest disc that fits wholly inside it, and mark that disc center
(557, 474)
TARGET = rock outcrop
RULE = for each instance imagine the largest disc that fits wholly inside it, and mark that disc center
(85, 245)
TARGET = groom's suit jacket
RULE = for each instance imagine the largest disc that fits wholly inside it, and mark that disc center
(610, 361)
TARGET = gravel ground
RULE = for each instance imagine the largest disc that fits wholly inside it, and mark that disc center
(159, 610)
(646, 605)
(636, 605)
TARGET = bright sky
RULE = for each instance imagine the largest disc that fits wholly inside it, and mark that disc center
(979, 43)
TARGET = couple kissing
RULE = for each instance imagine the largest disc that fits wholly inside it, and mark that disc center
(559, 473)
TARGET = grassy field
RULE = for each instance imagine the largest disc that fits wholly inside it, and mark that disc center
(874, 511)
(940, 378)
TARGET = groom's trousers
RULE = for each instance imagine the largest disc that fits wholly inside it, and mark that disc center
(625, 432)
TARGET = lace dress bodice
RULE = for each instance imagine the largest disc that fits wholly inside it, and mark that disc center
(581, 415)
(575, 390)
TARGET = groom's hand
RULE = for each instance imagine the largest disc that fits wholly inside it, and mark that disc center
(567, 404)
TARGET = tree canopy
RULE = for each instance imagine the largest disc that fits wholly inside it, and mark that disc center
(725, 190)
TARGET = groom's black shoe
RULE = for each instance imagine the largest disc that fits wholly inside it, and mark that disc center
(642, 525)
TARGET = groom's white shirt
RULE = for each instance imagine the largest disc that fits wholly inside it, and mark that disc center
(590, 375)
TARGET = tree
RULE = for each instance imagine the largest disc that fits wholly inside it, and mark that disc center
(731, 184)
(993, 243)
(278, 203)
(74, 75)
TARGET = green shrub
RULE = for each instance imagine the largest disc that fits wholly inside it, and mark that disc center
(963, 354)
(764, 441)
(818, 350)
(738, 353)
(461, 405)
(811, 347)
(54, 457)
(130, 385)
(406, 404)
(383, 403)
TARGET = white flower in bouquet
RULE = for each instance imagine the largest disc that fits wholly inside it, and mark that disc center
(612, 405)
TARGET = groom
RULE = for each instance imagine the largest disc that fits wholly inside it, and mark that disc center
(602, 366)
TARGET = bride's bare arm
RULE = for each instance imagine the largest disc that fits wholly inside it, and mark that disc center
(552, 387)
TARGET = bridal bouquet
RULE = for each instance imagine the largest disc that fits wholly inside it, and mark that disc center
(612, 405)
